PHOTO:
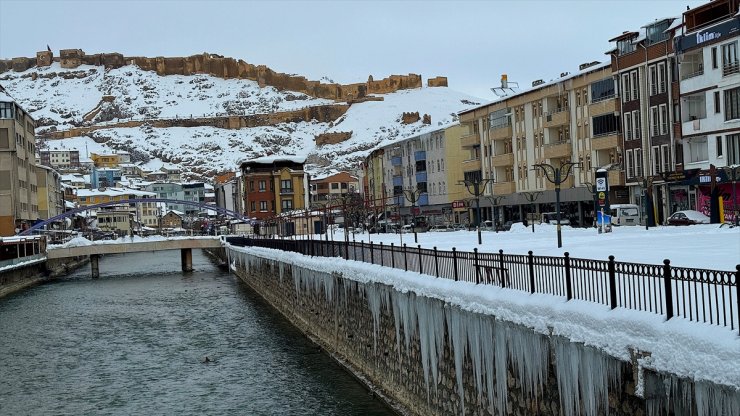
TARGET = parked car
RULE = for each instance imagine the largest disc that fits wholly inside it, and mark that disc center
(440, 229)
(688, 217)
(407, 229)
(459, 227)
(552, 218)
(625, 214)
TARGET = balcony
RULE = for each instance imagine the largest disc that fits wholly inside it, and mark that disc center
(501, 132)
(398, 180)
(607, 141)
(470, 140)
(423, 199)
(558, 150)
(504, 188)
(421, 177)
(470, 165)
(730, 68)
(608, 105)
(558, 118)
(396, 161)
(420, 155)
(615, 178)
(286, 191)
(506, 159)
(568, 183)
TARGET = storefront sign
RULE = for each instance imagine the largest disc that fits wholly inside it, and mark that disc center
(720, 31)
(458, 204)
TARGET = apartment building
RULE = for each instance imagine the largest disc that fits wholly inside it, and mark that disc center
(324, 188)
(107, 160)
(709, 71)
(50, 194)
(419, 171)
(645, 67)
(60, 159)
(274, 185)
(229, 194)
(18, 186)
(570, 119)
(144, 213)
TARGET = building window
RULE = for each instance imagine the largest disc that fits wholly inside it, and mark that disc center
(656, 160)
(601, 90)
(662, 84)
(253, 206)
(732, 104)
(626, 89)
(698, 150)
(6, 110)
(654, 121)
(694, 107)
(636, 124)
(262, 186)
(286, 185)
(635, 84)
(653, 71)
(628, 126)
(335, 186)
(629, 162)
(604, 124)
(733, 149)
(666, 157)
(638, 162)
(717, 106)
(714, 58)
(729, 59)
(263, 206)
(286, 204)
(251, 186)
(719, 146)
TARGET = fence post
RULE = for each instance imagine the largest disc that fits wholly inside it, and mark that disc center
(436, 263)
(372, 258)
(568, 285)
(381, 253)
(667, 288)
(421, 269)
(393, 256)
(612, 283)
(346, 250)
(530, 259)
(501, 265)
(362, 249)
(454, 262)
(477, 269)
(405, 259)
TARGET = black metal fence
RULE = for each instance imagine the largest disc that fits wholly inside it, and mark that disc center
(709, 296)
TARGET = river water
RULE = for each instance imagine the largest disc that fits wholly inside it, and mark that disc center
(134, 342)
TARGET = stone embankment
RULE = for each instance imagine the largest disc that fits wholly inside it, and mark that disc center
(24, 276)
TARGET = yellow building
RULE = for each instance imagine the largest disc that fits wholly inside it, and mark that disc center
(105, 161)
(50, 199)
(18, 187)
(145, 213)
(274, 185)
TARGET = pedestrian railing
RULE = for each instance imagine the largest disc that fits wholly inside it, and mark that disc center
(701, 295)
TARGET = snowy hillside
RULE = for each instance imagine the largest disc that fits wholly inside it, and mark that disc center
(90, 95)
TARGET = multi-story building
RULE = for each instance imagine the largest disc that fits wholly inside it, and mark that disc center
(709, 72)
(419, 171)
(274, 185)
(644, 65)
(60, 159)
(50, 193)
(106, 160)
(18, 188)
(325, 187)
(570, 119)
(144, 213)
(229, 194)
(105, 177)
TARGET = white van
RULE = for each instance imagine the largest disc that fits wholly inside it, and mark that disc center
(625, 214)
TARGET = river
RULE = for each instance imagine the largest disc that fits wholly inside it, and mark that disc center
(134, 342)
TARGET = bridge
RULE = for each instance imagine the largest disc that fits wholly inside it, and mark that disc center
(95, 250)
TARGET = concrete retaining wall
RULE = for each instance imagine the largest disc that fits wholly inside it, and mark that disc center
(22, 277)
(358, 323)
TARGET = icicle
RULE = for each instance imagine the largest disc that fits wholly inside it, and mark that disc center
(430, 317)
(458, 339)
(528, 351)
(502, 388)
(374, 303)
(397, 321)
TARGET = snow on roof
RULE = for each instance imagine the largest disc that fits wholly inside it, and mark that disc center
(113, 192)
(176, 212)
(265, 160)
(677, 22)
(546, 84)
(5, 97)
(662, 19)
(71, 177)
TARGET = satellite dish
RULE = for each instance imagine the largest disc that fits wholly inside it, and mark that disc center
(507, 87)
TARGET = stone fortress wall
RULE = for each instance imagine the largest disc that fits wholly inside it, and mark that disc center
(224, 67)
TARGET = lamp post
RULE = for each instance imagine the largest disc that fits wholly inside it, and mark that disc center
(495, 200)
(645, 183)
(476, 186)
(531, 197)
(412, 195)
(592, 188)
(556, 176)
(732, 174)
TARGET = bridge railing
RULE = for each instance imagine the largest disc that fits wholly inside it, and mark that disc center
(701, 295)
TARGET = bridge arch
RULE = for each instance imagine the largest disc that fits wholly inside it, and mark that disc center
(72, 212)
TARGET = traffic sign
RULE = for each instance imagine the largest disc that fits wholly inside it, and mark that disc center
(601, 184)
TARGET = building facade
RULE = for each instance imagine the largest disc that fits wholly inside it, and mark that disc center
(18, 187)
(274, 185)
(60, 159)
(324, 188)
(50, 193)
(145, 213)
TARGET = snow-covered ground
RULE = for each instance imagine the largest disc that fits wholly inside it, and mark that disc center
(703, 246)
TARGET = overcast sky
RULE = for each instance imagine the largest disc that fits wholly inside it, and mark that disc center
(470, 42)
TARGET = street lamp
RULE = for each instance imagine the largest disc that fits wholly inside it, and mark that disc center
(557, 176)
(592, 188)
(531, 197)
(732, 174)
(495, 200)
(474, 187)
(412, 195)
